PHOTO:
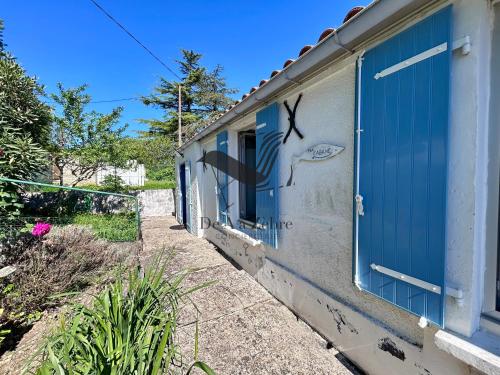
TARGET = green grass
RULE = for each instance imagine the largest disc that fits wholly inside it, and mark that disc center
(111, 227)
(153, 185)
(148, 185)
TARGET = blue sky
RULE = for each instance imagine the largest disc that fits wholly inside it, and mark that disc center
(74, 43)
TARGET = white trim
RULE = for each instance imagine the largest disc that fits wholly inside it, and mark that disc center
(241, 235)
(260, 126)
(358, 155)
(407, 278)
(479, 351)
(413, 60)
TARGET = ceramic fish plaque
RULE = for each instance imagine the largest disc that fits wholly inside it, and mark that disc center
(319, 152)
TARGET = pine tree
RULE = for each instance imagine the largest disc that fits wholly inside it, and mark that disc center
(2, 46)
(204, 95)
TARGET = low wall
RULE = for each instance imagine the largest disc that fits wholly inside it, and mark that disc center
(151, 202)
(157, 202)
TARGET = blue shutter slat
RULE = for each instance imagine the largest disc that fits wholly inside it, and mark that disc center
(188, 195)
(268, 140)
(404, 117)
(404, 184)
(181, 188)
(222, 178)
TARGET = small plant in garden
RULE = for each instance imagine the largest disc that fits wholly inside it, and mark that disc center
(40, 229)
(131, 328)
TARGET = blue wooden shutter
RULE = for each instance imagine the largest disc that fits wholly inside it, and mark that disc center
(268, 140)
(189, 203)
(181, 186)
(403, 167)
(222, 178)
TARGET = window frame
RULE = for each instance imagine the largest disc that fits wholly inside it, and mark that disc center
(242, 188)
(491, 297)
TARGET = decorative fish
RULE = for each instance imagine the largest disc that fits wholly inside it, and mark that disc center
(322, 151)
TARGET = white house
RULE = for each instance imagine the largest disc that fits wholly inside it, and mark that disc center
(360, 186)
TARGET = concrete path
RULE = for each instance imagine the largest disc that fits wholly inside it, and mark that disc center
(242, 328)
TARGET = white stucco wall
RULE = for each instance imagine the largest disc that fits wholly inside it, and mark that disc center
(311, 271)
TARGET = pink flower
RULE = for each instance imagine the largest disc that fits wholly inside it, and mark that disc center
(41, 229)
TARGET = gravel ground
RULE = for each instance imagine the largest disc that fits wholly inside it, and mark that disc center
(242, 328)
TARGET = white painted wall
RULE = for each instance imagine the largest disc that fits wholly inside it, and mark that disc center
(311, 271)
(134, 175)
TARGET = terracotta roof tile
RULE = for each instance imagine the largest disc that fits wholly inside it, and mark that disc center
(353, 12)
(288, 62)
(305, 49)
(274, 72)
(325, 33)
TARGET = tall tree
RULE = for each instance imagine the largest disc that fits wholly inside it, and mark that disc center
(155, 152)
(24, 119)
(20, 104)
(2, 46)
(83, 141)
(204, 95)
(24, 128)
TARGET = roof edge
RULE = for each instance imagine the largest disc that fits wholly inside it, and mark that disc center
(376, 17)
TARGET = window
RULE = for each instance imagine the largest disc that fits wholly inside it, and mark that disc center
(247, 196)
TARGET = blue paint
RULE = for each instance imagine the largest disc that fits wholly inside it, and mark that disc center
(222, 178)
(268, 141)
(189, 203)
(182, 194)
(403, 167)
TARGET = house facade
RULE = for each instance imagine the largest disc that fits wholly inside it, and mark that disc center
(359, 184)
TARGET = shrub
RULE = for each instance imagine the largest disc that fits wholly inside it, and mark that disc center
(130, 329)
(68, 259)
(113, 184)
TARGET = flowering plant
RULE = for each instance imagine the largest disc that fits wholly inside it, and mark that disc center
(41, 229)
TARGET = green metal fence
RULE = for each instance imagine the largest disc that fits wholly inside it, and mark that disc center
(112, 216)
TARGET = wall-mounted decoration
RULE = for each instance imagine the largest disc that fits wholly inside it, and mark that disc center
(204, 160)
(291, 119)
(319, 152)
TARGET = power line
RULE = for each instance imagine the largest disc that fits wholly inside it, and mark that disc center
(134, 38)
(115, 100)
(104, 101)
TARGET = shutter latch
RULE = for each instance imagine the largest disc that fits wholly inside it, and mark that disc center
(359, 205)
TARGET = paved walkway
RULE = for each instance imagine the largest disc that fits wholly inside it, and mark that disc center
(243, 329)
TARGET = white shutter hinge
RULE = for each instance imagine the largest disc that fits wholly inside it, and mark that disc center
(456, 294)
(464, 44)
(359, 205)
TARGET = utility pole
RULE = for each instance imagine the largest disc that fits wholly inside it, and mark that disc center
(179, 114)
